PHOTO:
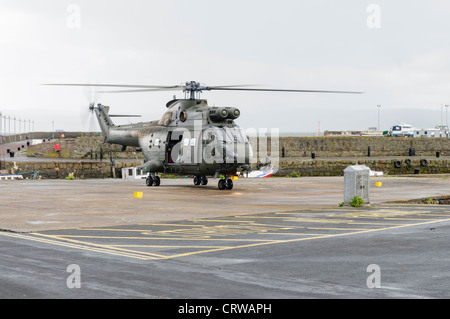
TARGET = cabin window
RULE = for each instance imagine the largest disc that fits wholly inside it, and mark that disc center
(157, 140)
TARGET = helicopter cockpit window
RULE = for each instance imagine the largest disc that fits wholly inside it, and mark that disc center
(236, 135)
(209, 135)
(225, 135)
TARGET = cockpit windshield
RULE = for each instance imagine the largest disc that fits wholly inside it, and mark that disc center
(225, 135)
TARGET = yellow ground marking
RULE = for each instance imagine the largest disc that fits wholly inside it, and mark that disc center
(58, 242)
(156, 238)
(331, 228)
(109, 247)
(305, 239)
(181, 225)
(120, 250)
(166, 246)
(292, 234)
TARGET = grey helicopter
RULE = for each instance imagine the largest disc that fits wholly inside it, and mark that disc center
(191, 138)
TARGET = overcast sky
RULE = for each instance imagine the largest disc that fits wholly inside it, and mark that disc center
(397, 52)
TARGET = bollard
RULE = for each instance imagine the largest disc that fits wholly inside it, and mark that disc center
(368, 151)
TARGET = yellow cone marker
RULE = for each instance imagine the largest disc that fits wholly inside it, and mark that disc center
(137, 194)
(378, 184)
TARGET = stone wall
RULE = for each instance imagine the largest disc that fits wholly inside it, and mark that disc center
(356, 146)
(81, 147)
(62, 169)
(335, 167)
(332, 155)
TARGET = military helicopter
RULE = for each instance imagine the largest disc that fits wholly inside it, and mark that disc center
(191, 138)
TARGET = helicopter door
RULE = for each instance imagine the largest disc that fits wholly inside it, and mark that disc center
(173, 149)
(180, 148)
(187, 150)
(157, 146)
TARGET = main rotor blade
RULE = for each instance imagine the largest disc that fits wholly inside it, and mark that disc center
(194, 87)
(124, 115)
(143, 90)
(119, 85)
(211, 88)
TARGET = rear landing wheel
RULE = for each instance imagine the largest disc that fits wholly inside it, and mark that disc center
(156, 181)
(204, 180)
(222, 184)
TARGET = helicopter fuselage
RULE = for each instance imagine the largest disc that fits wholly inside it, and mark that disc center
(191, 138)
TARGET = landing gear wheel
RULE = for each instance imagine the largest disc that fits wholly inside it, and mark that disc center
(204, 180)
(196, 180)
(156, 181)
(222, 184)
(229, 184)
(149, 181)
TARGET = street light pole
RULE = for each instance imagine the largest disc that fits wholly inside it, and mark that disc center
(446, 115)
(378, 128)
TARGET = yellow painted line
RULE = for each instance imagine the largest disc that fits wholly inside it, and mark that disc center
(405, 219)
(159, 238)
(74, 246)
(292, 234)
(305, 239)
(372, 223)
(181, 225)
(109, 247)
(225, 221)
(201, 233)
(166, 246)
(113, 230)
(434, 214)
(343, 228)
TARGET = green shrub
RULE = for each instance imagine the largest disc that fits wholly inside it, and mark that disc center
(294, 174)
(357, 202)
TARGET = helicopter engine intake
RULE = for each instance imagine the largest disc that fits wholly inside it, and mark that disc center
(220, 114)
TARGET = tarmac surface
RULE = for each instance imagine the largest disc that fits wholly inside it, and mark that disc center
(38, 205)
(267, 238)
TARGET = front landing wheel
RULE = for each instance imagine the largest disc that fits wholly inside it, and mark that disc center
(229, 184)
(149, 181)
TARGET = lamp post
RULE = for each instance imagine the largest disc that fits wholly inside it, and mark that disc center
(446, 115)
(378, 128)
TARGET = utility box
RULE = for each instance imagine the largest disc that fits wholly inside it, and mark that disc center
(356, 183)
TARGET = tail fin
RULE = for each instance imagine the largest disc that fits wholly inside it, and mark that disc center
(105, 122)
